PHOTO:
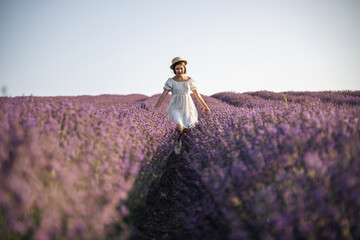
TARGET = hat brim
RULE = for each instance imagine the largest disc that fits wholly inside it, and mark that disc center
(172, 65)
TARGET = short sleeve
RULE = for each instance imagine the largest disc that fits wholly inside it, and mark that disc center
(193, 85)
(168, 85)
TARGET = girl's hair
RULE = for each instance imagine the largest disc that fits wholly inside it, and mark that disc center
(179, 63)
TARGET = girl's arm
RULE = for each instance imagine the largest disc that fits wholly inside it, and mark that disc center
(201, 101)
(162, 98)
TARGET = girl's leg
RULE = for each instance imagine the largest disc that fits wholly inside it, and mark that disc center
(177, 148)
(179, 128)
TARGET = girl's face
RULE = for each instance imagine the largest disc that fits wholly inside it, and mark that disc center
(179, 69)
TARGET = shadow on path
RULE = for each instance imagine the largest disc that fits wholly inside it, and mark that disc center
(179, 206)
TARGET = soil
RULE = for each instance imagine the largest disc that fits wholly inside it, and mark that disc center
(180, 206)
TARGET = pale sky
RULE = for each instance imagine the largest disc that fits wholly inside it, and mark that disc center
(87, 47)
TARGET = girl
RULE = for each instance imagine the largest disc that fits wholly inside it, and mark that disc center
(181, 106)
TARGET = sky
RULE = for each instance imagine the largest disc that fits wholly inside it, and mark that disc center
(87, 47)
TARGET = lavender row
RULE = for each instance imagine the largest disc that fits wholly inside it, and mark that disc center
(260, 98)
(68, 163)
(282, 172)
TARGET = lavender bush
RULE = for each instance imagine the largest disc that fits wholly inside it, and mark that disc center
(283, 173)
(67, 163)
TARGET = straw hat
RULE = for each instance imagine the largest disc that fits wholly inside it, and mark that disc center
(176, 60)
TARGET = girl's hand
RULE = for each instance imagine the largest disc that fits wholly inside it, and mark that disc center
(207, 111)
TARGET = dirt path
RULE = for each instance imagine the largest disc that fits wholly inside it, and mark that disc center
(180, 206)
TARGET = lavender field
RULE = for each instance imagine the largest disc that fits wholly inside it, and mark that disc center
(262, 165)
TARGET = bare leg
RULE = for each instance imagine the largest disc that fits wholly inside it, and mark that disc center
(179, 128)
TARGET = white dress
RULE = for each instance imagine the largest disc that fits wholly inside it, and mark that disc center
(181, 107)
